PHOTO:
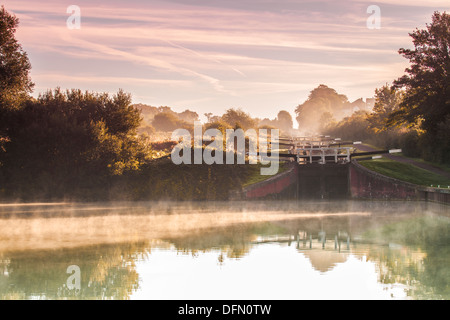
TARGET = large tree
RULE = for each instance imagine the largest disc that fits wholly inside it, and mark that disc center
(427, 81)
(321, 100)
(15, 81)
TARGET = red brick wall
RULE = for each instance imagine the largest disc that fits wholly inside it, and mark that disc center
(367, 184)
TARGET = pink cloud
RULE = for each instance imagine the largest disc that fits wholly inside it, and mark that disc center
(219, 51)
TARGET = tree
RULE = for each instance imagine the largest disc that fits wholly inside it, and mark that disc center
(387, 101)
(188, 116)
(15, 81)
(326, 120)
(167, 121)
(208, 116)
(284, 120)
(321, 100)
(426, 86)
(427, 82)
(354, 127)
(238, 118)
(219, 125)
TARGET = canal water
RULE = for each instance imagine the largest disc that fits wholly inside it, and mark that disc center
(225, 250)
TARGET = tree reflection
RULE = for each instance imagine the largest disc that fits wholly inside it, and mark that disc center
(235, 241)
(411, 250)
(107, 272)
(422, 263)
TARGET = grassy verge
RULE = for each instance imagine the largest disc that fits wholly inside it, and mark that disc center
(406, 172)
(371, 146)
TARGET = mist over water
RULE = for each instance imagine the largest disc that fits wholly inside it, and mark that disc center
(226, 250)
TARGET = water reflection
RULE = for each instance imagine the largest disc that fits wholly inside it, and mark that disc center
(247, 250)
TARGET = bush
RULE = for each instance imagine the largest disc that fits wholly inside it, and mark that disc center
(69, 141)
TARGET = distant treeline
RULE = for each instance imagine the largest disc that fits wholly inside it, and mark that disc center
(158, 120)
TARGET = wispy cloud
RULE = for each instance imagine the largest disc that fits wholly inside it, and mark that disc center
(216, 53)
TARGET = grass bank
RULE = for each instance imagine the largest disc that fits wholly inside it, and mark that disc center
(406, 172)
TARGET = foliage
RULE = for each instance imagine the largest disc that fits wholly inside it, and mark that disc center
(387, 100)
(219, 125)
(350, 128)
(321, 100)
(426, 100)
(427, 93)
(166, 122)
(188, 116)
(237, 118)
(15, 82)
(169, 122)
(65, 142)
(163, 180)
(283, 121)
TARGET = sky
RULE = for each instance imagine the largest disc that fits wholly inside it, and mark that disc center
(262, 56)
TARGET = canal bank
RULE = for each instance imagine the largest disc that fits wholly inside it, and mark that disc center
(338, 181)
(367, 184)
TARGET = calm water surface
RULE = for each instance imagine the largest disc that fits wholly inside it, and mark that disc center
(239, 250)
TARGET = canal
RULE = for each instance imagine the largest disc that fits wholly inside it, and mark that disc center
(225, 250)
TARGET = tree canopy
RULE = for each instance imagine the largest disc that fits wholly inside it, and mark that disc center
(65, 141)
(284, 120)
(15, 81)
(238, 118)
(321, 100)
(426, 87)
(387, 101)
(169, 121)
(427, 80)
